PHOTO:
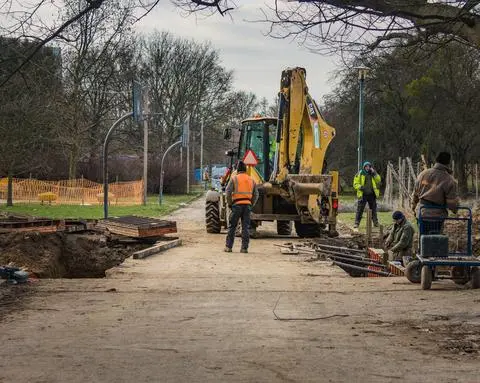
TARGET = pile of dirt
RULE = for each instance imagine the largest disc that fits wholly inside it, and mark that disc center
(476, 231)
(61, 255)
(457, 232)
(34, 252)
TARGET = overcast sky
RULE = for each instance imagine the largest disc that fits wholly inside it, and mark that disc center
(257, 60)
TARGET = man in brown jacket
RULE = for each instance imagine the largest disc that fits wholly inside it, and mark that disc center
(436, 187)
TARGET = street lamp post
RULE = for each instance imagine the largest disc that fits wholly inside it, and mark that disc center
(362, 73)
(105, 159)
(160, 193)
(202, 181)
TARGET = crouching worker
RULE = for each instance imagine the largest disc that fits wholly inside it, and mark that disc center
(400, 240)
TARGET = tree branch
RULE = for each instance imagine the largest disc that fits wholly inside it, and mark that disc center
(92, 4)
(353, 24)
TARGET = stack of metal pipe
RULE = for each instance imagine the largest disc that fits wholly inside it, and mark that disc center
(353, 261)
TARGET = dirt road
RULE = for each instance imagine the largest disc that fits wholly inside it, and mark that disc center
(196, 314)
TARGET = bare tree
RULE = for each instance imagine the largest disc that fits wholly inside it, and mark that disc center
(356, 26)
(92, 49)
(27, 112)
(414, 105)
(185, 79)
(326, 25)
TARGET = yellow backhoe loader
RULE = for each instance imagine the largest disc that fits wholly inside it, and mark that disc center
(290, 172)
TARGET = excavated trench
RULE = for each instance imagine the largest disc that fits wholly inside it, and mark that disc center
(60, 255)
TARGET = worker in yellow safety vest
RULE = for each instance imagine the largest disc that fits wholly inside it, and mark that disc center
(242, 194)
(367, 183)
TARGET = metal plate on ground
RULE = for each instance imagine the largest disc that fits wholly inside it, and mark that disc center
(138, 227)
(14, 225)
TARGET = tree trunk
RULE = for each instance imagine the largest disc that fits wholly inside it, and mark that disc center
(93, 170)
(10, 189)
(72, 163)
(460, 172)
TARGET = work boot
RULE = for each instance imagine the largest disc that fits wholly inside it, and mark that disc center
(355, 226)
(243, 250)
(375, 224)
(227, 249)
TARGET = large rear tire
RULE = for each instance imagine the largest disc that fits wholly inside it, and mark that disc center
(307, 230)
(212, 217)
(284, 227)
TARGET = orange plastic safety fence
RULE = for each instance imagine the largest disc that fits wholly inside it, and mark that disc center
(77, 191)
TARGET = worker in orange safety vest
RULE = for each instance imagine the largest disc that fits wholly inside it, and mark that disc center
(242, 194)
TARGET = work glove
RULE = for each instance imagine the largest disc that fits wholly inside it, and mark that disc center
(391, 256)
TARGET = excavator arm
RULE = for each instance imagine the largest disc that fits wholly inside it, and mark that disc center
(303, 136)
(289, 165)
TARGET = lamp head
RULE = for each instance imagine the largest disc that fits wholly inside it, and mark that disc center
(362, 72)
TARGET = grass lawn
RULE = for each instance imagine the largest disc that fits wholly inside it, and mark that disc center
(385, 218)
(152, 209)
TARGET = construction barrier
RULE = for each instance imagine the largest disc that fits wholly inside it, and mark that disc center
(377, 255)
(75, 192)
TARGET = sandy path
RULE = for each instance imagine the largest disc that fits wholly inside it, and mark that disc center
(196, 314)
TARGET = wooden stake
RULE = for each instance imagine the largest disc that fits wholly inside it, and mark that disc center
(402, 188)
(369, 228)
(411, 171)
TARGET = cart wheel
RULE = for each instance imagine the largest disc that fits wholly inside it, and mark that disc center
(413, 271)
(475, 278)
(426, 278)
(460, 275)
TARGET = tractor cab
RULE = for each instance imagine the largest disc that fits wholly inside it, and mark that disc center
(258, 135)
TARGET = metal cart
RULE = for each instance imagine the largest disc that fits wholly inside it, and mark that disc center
(445, 247)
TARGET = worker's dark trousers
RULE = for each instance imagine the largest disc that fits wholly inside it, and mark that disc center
(239, 212)
(371, 199)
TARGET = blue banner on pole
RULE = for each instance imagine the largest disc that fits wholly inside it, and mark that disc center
(137, 96)
(185, 133)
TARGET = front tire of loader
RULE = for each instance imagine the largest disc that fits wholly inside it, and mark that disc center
(284, 227)
(307, 230)
(212, 217)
